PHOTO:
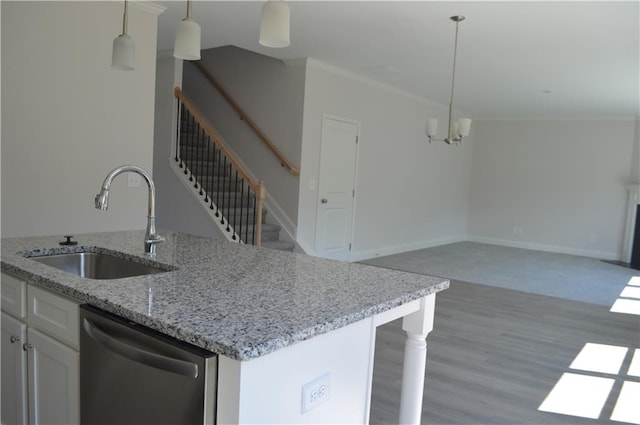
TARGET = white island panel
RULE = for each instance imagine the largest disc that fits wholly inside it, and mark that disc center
(270, 387)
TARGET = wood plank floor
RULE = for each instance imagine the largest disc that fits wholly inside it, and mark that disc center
(495, 354)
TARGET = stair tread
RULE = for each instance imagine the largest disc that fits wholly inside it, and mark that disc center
(279, 245)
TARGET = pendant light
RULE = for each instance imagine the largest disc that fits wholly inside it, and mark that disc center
(124, 48)
(274, 26)
(187, 45)
(457, 130)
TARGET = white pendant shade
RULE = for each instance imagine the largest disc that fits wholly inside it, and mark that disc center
(187, 44)
(463, 126)
(124, 53)
(432, 127)
(274, 27)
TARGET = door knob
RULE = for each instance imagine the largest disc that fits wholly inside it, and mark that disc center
(26, 346)
(14, 339)
(324, 200)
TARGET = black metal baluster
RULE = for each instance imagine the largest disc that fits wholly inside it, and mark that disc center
(187, 150)
(227, 209)
(196, 148)
(222, 207)
(236, 210)
(218, 183)
(207, 173)
(254, 220)
(178, 127)
(214, 168)
(244, 236)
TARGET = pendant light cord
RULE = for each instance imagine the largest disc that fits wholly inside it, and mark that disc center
(453, 82)
(125, 18)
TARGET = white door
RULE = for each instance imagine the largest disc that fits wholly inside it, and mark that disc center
(14, 371)
(54, 381)
(338, 155)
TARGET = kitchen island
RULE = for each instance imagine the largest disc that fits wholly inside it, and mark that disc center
(277, 320)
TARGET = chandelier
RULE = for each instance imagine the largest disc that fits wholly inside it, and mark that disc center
(459, 128)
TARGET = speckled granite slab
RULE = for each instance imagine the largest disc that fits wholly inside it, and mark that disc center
(236, 300)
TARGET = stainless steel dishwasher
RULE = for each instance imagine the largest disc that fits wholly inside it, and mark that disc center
(130, 374)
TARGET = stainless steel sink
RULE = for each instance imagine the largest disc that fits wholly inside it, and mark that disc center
(98, 265)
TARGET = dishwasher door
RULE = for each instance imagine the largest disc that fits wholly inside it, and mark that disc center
(130, 374)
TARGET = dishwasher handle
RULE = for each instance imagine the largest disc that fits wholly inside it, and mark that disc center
(159, 361)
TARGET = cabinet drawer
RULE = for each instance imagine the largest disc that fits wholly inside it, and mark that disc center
(53, 314)
(14, 296)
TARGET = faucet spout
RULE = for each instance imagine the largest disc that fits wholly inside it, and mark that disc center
(102, 202)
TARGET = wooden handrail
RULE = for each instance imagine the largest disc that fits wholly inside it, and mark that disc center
(213, 134)
(243, 115)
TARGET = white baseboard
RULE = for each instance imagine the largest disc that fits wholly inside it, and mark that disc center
(398, 249)
(601, 255)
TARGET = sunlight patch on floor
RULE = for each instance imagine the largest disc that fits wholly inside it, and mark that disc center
(600, 358)
(634, 281)
(627, 408)
(578, 395)
(631, 292)
(634, 368)
(585, 396)
(627, 306)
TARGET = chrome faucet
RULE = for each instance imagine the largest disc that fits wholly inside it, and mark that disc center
(102, 203)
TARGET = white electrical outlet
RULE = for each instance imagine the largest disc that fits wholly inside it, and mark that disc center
(316, 392)
(133, 180)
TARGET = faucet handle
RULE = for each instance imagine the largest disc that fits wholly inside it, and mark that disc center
(150, 243)
(154, 238)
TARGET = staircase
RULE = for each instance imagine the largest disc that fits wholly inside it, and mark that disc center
(216, 182)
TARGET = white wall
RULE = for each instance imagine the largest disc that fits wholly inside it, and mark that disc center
(271, 93)
(552, 185)
(69, 118)
(176, 208)
(409, 194)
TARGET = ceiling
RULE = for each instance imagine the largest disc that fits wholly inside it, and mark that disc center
(516, 60)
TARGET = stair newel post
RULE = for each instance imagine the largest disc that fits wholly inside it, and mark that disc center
(261, 194)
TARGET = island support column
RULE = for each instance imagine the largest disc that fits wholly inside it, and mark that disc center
(417, 326)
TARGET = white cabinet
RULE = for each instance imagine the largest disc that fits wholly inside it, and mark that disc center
(54, 396)
(14, 371)
(47, 353)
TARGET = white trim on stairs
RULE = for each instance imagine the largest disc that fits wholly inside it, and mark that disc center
(194, 192)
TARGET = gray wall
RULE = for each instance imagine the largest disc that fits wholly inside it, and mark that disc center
(553, 185)
(68, 118)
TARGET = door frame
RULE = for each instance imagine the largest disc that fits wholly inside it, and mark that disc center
(358, 125)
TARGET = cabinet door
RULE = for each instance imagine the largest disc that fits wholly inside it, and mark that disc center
(14, 296)
(14, 371)
(54, 315)
(54, 392)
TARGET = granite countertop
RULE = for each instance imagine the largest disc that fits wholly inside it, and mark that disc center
(236, 300)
